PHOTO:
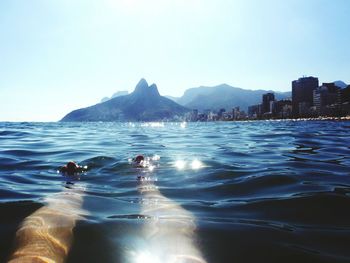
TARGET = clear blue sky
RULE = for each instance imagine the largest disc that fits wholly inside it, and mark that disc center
(60, 55)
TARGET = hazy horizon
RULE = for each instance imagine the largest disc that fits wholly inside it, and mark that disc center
(58, 56)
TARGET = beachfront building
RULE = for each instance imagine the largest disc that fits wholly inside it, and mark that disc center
(221, 112)
(266, 102)
(212, 116)
(254, 111)
(282, 109)
(194, 115)
(302, 96)
(236, 113)
(327, 99)
(345, 94)
(345, 101)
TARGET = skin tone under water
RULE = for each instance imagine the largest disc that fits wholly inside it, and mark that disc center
(47, 234)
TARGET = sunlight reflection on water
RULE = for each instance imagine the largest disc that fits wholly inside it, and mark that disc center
(194, 165)
(153, 124)
(180, 164)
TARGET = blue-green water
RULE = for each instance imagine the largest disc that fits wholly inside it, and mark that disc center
(257, 191)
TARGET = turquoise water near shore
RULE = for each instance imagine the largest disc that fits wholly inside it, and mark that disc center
(267, 191)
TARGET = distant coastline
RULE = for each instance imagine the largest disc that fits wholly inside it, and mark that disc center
(307, 101)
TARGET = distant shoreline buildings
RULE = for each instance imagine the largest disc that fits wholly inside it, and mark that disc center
(309, 100)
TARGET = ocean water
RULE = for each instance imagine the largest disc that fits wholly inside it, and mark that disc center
(263, 191)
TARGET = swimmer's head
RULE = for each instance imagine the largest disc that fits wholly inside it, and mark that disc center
(70, 168)
(138, 159)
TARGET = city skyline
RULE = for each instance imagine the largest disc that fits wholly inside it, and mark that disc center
(58, 56)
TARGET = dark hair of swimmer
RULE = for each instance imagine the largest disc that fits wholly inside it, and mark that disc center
(138, 159)
(71, 168)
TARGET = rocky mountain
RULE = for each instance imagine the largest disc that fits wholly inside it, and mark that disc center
(224, 96)
(143, 104)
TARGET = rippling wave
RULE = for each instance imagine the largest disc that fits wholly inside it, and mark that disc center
(248, 191)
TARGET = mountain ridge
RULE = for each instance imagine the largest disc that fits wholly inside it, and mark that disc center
(143, 104)
(224, 96)
(116, 94)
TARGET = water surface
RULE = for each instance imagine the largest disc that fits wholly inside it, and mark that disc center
(256, 191)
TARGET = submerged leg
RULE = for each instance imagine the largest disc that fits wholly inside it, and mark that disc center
(47, 234)
(169, 230)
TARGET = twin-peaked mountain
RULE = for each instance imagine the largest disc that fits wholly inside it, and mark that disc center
(143, 104)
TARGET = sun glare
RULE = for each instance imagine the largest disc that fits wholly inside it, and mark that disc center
(196, 164)
(145, 257)
(180, 164)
